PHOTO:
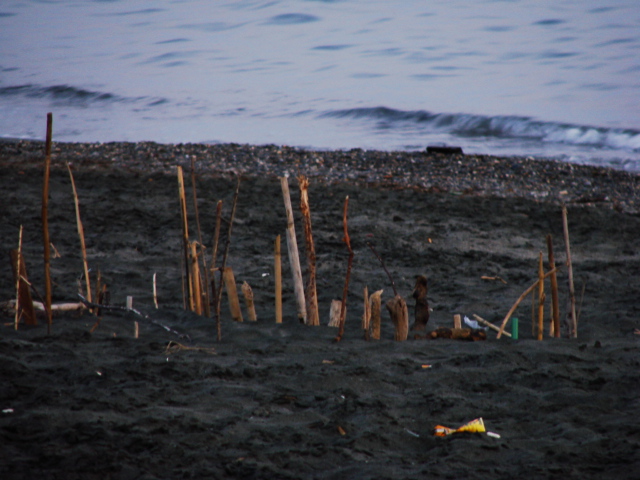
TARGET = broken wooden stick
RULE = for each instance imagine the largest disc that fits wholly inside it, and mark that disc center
(206, 308)
(573, 323)
(345, 291)
(232, 294)
(366, 314)
(185, 239)
(83, 247)
(45, 222)
(225, 255)
(375, 305)
(248, 299)
(399, 312)
(294, 256)
(522, 297)
(334, 313)
(311, 295)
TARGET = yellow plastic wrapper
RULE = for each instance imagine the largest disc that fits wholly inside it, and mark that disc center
(475, 426)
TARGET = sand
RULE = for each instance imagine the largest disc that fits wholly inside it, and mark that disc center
(285, 400)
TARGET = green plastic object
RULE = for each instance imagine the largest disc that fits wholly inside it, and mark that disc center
(514, 329)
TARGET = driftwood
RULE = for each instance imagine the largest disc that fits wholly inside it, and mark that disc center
(311, 295)
(400, 316)
(422, 305)
(375, 305)
(470, 334)
(294, 255)
(45, 222)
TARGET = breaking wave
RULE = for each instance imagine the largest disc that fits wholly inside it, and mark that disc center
(69, 95)
(499, 127)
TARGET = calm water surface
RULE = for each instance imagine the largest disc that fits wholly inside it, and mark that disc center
(557, 78)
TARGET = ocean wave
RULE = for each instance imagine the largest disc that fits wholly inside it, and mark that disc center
(71, 96)
(499, 127)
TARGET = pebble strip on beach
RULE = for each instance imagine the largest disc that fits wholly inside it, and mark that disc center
(481, 175)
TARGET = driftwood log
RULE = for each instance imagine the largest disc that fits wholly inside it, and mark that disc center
(470, 334)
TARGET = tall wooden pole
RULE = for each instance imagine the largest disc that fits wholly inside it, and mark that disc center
(313, 317)
(45, 223)
(541, 297)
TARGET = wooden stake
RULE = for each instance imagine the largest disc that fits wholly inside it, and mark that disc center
(195, 279)
(397, 307)
(522, 297)
(375, 302)
(573, 325)
(292, 248)
(232, 294)
(129, 302)
(214, 257)
(555, 302)
(83, 247)
(224, 261)
(311, 295)
(457, 321)
(366, 314)
(345, 290)
(17, 267)
(277, 267)
(334, 313)
(185, 237)
(136, 330)
(45, 222)
(541, 297)
(248, 299)
(206, 308)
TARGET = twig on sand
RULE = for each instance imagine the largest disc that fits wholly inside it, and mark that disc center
(45, 222)
(136, 312)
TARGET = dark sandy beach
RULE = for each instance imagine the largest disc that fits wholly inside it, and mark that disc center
(284, 400)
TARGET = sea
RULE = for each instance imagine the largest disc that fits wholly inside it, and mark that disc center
(537, 78)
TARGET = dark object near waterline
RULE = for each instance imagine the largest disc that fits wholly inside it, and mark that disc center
(422, 304)
(445, 150)
(470, 334)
